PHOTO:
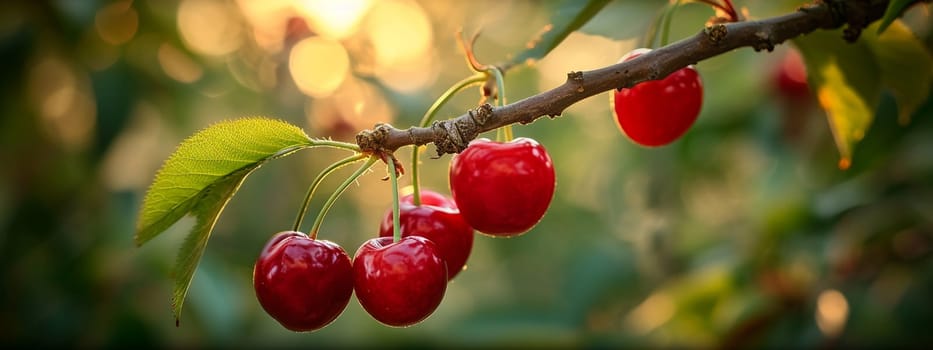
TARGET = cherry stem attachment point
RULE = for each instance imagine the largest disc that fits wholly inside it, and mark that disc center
(504, 132)
(396, 226)
(317, 181)
(428, 118)
(337, 192)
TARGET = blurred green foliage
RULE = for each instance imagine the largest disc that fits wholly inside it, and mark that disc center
(743, 233)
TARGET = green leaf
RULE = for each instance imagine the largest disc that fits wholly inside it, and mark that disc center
(207, 211)
(906, 66)
(847, 82)
(201, 177)
(567, 16)
(895, 7)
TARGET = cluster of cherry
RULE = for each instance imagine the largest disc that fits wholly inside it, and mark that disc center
(500, 189)
(497, 188)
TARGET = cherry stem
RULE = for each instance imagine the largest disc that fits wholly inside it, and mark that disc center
(500, 97)
(396, 226)
(728, 8)
(317, 181)
(504, 132)
(333, 197)
(666, 22)
(731, 10)
(428, 118)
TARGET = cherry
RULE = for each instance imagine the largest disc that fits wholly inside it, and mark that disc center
(790, 77)
(502, 189)
(399, 283)
(657, 112)
(439, 220)
(301, 282)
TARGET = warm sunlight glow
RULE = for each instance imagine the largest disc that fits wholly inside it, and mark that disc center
(402, 41)
(318, 66)
(268, 20)
(333, 19)
(399, 32)
(410, 77)
(832, 310)
(117, 23)
(177, 65)
(209, 26)
(356, 105)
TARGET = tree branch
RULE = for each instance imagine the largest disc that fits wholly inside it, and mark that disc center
(453, 135)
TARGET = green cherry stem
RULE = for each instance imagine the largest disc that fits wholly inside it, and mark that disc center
(396, 226)
(427, 119)
(317, 181)
(500, 99)
(666, 25)
(333, 197)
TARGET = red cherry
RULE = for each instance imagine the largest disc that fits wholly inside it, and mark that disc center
(502, 189)
(302, 283)
(790, 76)
(439, 220)
(399, 283)
(657, 112)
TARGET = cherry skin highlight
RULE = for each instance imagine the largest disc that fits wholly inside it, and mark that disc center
(502, 189)
(399, 283)
(437, 219)
(304, 284)
(658, 112)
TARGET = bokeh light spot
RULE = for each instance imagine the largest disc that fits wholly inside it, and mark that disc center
(177, 65)
(117, 23)
(209, 26)
(333, 19)
(318, 66)
(832, 310)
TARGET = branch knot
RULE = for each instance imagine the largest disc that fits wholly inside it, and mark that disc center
(716, 32)
(373, 141)
(454, 135)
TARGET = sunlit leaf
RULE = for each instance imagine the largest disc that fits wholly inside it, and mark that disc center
(847, 83)
(566, 17)
(906, 66)
(201, 177)
(895, 7)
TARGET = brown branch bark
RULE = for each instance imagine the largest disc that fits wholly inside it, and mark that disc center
(453, 135)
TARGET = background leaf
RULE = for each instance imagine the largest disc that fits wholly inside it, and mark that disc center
(201, 177)
(847, 89)
(566, 17)
(906, 66)
(895, 7)
(623, 19)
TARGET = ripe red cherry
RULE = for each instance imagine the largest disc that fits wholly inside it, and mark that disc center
(790, 77)
(439, 220)
(301, 282)
(657, 112)
(502, 189)
(399, 283)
